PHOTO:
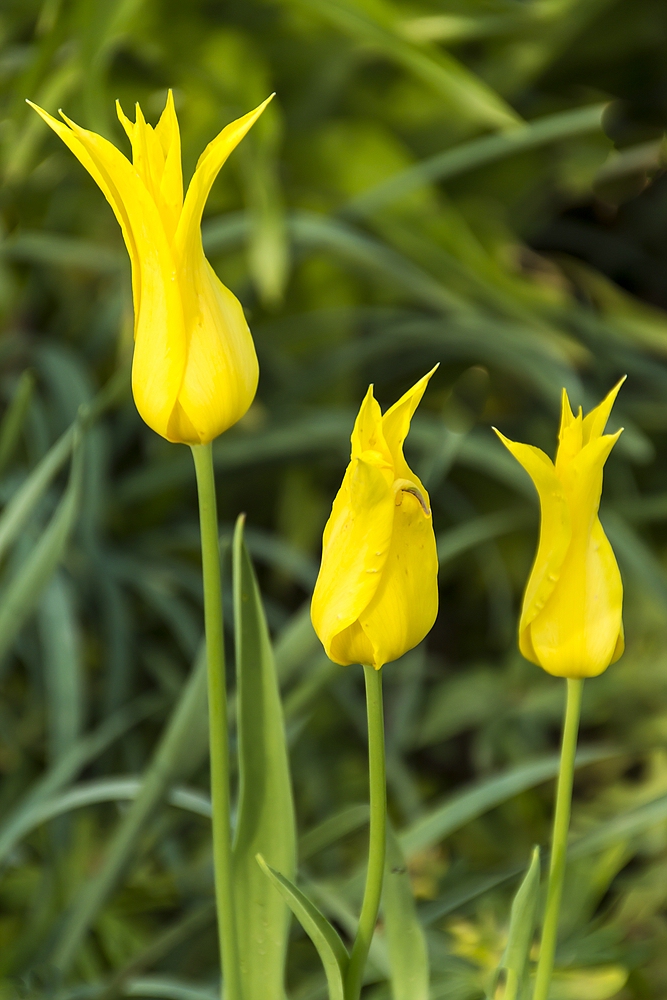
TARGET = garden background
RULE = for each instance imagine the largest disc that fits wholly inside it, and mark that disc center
(479, 184)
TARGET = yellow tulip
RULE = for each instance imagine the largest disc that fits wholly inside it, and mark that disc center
(376, 595)
(194, 371)
(571, 621)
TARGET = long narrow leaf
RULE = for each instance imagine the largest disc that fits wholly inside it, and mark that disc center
(467, 805)
(477, 153)
(522, 927)
(24, 589)
(455, 83)
(12, 421)
(408, 954)
(326, 939)
(63, 668)
(85, 750)
(266, 823)
(178, 749)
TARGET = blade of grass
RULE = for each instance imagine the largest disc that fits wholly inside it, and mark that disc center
(468, 804)
(326, 939)
(408, 954)
(63, 669)
(22, 592)
(188, 715)
(477, 153)
(80, 754)
(12, 422)
(457, 85)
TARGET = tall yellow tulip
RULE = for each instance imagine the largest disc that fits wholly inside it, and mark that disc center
(376, 595)
(194, 371)
(571, 622)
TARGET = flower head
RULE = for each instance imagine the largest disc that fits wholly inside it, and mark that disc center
(376, 595)
(194, 371)
(571, 622)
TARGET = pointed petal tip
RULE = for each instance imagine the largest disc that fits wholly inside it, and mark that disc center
(500, 435)
(260, 107)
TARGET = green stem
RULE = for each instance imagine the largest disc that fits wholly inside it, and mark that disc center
(378, 835)
(545, 964)
(217, 713)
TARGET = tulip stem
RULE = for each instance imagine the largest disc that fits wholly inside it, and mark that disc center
(561, 826)
(217, 713)
(378, 835)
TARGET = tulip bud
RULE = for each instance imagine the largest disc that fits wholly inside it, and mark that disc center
(194, 371)
(376, 595)
(571, 621)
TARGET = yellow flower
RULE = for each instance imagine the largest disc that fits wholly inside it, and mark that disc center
(194, 372)
(571, 621)
(376, 595)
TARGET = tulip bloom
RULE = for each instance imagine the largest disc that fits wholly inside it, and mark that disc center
(194, 371)
(376, 595)
(571, 622)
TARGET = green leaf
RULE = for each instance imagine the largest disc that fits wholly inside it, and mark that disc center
(266, 823)
(468, 96)
(408, 955)
(181, 748)
(168, 988)
(460, 809)
(326, 939)
(31, 491)
(620, 828)
(24, 589)
(478, 530)
(88, 748)
(63, 667)
(348, 819)
(12, 421)
(471, 155)
(522, 927)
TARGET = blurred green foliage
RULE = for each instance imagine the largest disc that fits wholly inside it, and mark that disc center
(477, 183)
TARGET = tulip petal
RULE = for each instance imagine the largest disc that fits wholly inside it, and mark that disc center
(405, 604)
(109, 189)
(580, 631)
(147, 155)
(583, 480)
(355, 546)
(566, 415)
(367, 433)
(555, 534)
(569, 436)
(221, 371)
(577, 631)
(596, 421)
(171, 185)
(159, 355)
(396, 424)
(156, 155)
(207, 170)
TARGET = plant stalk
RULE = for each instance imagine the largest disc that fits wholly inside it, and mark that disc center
(545, 963)
(217, 713)
(378, 835)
